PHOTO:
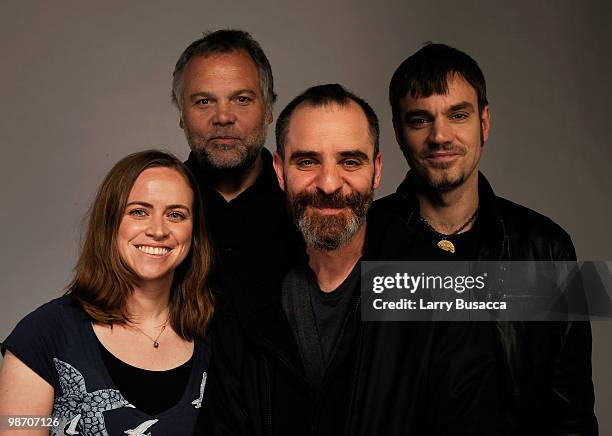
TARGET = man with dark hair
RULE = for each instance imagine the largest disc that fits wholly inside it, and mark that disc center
(224, 90)
(307, 365)
(441, 121)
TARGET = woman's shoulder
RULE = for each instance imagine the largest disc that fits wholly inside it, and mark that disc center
(47, 326)
(58, 310)
(40, 335)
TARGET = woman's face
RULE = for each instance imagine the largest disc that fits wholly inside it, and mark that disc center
(154, 235)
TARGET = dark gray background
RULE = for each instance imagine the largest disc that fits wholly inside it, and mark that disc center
(85, 83)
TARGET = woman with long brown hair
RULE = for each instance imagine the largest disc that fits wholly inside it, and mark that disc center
(125, 350)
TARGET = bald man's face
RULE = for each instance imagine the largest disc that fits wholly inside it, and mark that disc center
(329, 172)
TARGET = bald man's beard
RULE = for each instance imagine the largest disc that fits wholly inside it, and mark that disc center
(329, 232)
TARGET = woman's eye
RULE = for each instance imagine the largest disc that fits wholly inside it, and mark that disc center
(176, 216)
(137, 212)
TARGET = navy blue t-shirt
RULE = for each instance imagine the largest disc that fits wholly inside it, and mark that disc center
(57, 342)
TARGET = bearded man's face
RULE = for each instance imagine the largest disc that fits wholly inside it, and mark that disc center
(329, 171)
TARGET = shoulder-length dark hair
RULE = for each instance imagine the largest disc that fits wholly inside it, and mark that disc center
(103, 281)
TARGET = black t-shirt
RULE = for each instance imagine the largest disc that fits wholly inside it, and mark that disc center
(141, 387)
(317, 318)
(57, 341)
(330, 309)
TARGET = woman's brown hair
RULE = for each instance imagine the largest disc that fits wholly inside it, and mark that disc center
(103, 281)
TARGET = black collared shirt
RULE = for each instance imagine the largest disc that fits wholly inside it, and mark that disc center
(254, 239)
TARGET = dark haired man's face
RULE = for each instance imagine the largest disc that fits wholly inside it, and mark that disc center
(442, 136)
(329, 173)
(223, 112)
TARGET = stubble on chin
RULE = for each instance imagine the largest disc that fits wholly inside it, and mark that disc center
(220, 157)
(445, 182)
(437, 176)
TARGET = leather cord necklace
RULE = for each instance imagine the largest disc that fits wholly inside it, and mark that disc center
(444, 243)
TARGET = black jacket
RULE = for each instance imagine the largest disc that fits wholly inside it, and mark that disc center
(253, 237)
(547, 366)
(383, 378)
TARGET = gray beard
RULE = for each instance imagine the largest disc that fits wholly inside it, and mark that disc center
(206, 159)
(314, 238)
(329, 232)
(247, 153)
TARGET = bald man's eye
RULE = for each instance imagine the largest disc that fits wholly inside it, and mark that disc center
(351, 164)
(306, 163)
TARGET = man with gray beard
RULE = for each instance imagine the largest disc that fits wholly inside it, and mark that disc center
(307, 364)
(328, 163)
(224, 90)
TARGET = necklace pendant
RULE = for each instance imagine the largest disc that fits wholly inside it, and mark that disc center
(446, 245)
(155, 344)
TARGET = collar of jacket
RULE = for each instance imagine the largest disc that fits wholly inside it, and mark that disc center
(269, 328)
(494, 244)
(266, 180)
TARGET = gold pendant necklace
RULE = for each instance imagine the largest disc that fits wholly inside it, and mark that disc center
(444, 243)
(156, 340)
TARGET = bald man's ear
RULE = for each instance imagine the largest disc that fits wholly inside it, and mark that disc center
(377, 171)
(278, 168)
